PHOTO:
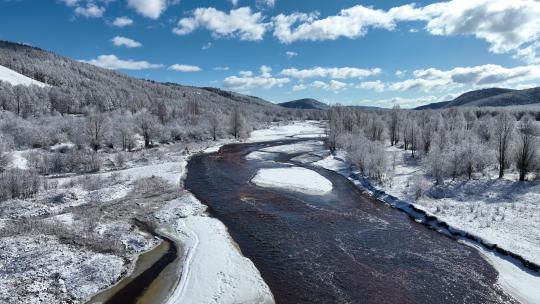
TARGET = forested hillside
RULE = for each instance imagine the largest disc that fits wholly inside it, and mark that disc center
(492, 97)
(96, 107)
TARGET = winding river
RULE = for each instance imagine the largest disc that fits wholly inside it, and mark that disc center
(342, 247)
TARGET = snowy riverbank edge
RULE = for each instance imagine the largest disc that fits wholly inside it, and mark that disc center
(213, 266)
(517, 275)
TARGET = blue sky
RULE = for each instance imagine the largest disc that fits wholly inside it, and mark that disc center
(352, 52)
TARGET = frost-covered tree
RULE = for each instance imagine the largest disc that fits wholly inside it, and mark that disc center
(214, 125)
(96, 126)
(502, 134)
(238, 123)
(393, 125)
(147, 125)
(526, 147)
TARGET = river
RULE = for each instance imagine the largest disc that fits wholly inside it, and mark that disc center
(342, 247)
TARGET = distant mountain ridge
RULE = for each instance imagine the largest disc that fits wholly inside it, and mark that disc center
(492, 97)
(306, 104)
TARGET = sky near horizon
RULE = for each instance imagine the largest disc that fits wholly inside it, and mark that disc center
(378, 53)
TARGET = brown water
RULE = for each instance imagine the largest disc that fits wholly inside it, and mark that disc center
(343, 247)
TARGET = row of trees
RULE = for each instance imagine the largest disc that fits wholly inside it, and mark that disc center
(449, 143)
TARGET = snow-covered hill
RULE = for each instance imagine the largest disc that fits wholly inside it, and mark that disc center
(14, 78)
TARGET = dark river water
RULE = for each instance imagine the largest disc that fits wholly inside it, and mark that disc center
(343, 247)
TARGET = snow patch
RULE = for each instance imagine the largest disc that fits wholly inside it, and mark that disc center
(521, 283)
(14, 78)
(294, 178)
(302, 129)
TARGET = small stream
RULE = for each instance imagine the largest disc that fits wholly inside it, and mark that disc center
(343, 247)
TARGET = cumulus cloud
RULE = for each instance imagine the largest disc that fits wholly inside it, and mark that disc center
(90, 10)
(299, 87)
(290, 54)
(241, 22)
(325, 72)
(87, 8)
(184, 68)
(377, 85)
(127, 42)
(350, 23)
(332, 85)
(122, 22)
(247, 80)
(401, 73)
(505, 25)
(476, 76)
(114, 63)
(149, 8)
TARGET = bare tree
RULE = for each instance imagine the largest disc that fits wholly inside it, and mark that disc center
(96, 125)
(238, 123)
(147, 124)
(393, 128)
(526, 147)
(504, 127)
(214, 124)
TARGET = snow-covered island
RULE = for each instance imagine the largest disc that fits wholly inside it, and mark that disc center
(294, 179)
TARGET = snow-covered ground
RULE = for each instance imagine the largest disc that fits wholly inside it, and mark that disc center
(14, 78)
(40, 269)
(503, 212)
(301, 129)
(294, 179)
(214, 270)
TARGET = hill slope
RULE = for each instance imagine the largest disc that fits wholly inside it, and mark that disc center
(492, 97)
(306, 103)
(75, 85)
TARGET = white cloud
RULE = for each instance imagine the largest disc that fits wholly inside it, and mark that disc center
(325, 72)
(401, 73)
(246, 80)
(122, 22)
(239, 22)
(299, 87)
(90, 10)
(234, 2)
(245, 73)
(206, 46)
(114, 63)
(184, 68)
(333, 85)
(350, 23)
(507, 25)
(266, 3)
(377, 86)
(476, 76)
(127, 42)
(290, 54)
(221, 68)
(149, 8)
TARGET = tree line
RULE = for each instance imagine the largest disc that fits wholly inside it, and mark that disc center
(449, 144)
